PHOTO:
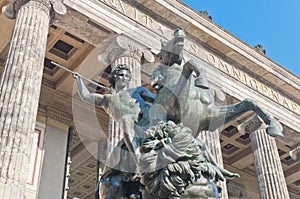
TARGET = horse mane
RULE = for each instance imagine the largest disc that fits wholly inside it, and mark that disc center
(174, 157)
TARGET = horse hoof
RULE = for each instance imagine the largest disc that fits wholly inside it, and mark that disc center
(275, 129)
(201, 82)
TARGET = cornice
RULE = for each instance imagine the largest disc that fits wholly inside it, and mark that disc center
(216, 37)
(232, 38)
(55, 114)
(137, 28)
(147, 28)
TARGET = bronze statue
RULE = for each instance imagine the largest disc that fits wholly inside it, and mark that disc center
(173, 162)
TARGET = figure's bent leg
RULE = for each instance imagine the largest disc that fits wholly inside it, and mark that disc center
(233, 111)
(201, 81)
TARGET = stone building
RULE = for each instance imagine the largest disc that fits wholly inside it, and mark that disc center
(50, 139)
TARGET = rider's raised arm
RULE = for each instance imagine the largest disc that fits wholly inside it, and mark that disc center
(92, 98)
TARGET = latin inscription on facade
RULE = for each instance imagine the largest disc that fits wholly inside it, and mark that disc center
(251, 82)
(210, 58)
(139, 17)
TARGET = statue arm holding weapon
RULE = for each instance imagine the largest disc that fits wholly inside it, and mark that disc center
(93, 98)
(118, 104)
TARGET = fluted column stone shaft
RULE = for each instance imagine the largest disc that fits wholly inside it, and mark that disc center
(19, 97)
(268, 167)
(212, 140)
(133, 60)
(121, 51)
(134, 63)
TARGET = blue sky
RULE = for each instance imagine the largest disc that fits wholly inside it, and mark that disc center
(273, 23)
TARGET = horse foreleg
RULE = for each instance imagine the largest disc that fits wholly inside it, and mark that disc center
(201, 81)
(233, 111)
(173, 104)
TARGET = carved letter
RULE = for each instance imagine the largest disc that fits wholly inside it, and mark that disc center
(135, 14)
(148, 19)
(193, 48)
(237, 74)
(161, 30)
(264, 89)
(122, 7)
(246, 78)
(285, 103)
(275, 95)
(113, 3)
(253, 83)
(224, 65)
(294, 106)
(211, 58)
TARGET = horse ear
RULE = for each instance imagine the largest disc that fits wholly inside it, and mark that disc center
(164, 46)
(162, 43)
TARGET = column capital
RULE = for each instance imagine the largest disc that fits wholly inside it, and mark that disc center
(251, 124)
(58, 7)
(236, 190)
(295, 153)
(123, 46)
(12, 8)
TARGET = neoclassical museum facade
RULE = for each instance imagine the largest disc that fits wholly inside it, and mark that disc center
(51, 140)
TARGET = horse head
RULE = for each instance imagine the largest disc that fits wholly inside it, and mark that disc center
(171, 51)
(158, 77)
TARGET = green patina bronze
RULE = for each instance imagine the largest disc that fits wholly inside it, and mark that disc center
(173, 162)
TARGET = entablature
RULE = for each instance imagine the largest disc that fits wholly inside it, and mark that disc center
(244, 72)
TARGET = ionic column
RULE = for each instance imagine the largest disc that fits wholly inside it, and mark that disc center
(133, 60)
(124, 51)
(268, 166)
(267, 163)
(19, 97)
(121, 50)
(212, 140)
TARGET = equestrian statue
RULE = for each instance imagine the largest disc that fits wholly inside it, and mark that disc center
(160, 130)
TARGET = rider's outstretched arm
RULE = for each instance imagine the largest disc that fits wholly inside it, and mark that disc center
(92, 98)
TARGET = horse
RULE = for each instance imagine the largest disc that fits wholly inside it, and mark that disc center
(186, 102)
(189, 99)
